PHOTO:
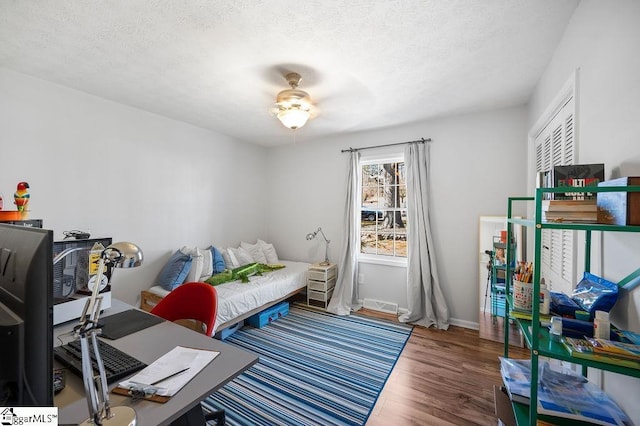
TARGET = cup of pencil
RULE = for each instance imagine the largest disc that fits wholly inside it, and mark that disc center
(522, 286)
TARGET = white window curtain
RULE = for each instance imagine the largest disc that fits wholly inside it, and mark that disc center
(426, 303)
(345, 294)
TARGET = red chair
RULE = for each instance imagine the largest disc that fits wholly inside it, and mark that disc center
(191, 301)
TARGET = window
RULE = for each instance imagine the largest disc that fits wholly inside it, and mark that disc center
(383, 210)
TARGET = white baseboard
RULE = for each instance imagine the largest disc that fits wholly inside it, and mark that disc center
(464, 324)
(379, 305)
(453, 321)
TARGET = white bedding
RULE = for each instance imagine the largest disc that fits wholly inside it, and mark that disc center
(236, 298)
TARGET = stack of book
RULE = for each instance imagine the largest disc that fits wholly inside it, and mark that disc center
(561, 394)
(573, 211)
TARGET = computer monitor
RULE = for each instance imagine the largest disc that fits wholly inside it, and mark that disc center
(26, 316)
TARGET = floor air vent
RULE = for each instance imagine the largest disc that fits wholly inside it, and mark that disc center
(380, 305)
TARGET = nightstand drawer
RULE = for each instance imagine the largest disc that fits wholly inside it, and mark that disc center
(321, 285)
(323, 275)
(319, 295)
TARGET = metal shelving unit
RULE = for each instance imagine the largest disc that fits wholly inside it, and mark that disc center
(537, 337)
(498, 296)
(497, 281)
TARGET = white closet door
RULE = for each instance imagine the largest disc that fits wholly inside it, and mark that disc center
(555, 146)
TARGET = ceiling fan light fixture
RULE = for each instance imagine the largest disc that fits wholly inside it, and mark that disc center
(293, 117)
(293, 106)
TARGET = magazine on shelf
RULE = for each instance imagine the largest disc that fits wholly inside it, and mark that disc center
(615, 349)
(627, 336)
(561, 394)
(583, 348)
(583, 402)
(516, 376)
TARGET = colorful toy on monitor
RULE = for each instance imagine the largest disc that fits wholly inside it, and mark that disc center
(21, 196)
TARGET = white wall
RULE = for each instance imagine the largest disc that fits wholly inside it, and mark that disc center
(96, 165)
(603, 41)
(477, 162)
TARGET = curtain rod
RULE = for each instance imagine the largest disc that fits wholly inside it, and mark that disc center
(422, 140)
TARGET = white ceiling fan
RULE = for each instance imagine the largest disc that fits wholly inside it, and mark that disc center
(293, 106)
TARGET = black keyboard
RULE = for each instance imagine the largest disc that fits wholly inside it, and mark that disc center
(117, 364)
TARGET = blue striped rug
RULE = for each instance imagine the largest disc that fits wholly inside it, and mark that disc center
(315, 368)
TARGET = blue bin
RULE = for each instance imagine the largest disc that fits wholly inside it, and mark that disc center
(269, 315)
(223, 334)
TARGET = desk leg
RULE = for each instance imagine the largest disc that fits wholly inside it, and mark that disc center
(193, 417)
(196, 417)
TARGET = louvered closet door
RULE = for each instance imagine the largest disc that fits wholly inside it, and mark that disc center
(555, 146)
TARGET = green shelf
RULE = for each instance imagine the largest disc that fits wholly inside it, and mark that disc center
(536, 336)
(549, 348)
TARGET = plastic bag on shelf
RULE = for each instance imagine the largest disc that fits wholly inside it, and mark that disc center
(595, 294)
(563, 304)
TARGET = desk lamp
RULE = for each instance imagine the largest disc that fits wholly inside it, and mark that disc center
(119, 255)
(312, 235)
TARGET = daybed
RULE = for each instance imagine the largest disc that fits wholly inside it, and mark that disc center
(237, 300)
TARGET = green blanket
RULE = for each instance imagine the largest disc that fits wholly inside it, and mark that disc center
(242, 273)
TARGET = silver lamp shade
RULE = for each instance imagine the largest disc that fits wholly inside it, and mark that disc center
(123, 255)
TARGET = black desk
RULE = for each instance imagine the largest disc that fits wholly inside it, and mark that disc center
(148, 345)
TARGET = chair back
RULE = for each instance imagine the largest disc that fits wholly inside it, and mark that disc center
(190, 301)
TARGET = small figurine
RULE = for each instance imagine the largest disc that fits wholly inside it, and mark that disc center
(21, 196)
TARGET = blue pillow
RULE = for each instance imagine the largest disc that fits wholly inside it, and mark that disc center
(175, 271)
(217, 260)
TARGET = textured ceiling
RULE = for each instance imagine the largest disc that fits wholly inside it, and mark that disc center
(219, 64)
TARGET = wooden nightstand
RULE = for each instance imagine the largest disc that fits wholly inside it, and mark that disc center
(321, 281)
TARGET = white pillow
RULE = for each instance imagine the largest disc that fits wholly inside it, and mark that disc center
(228, 262)
(239, 256)
(196, 263)
(269, 252)
(207, 264)
(232, 258)
(255, 250)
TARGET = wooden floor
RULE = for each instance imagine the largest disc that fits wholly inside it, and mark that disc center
(492, 328)
(441, 378)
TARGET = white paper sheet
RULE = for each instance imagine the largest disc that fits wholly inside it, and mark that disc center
(163, 371)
